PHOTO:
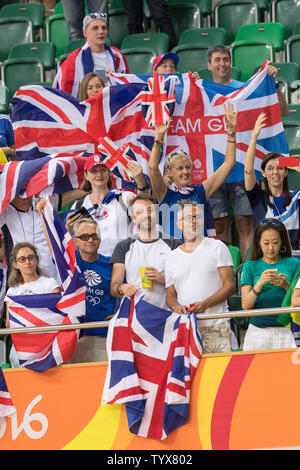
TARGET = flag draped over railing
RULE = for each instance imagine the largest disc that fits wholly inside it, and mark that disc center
(41, 351)
(6, 404)
(153, 354)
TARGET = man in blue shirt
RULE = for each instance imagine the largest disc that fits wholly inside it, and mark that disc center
(100, 305)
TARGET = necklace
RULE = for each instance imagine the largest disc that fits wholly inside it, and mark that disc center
(277, 210)
(23, 229)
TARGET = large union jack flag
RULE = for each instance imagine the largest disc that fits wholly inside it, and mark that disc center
(52, 174)
(153, 354)
(41, 351)
(46, 120)
(6, 404)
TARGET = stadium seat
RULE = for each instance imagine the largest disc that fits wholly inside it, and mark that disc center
(204, 5)
(296, 29)
(292, 132)
(191, 57)
(45, 51)
(236, 256)
(32, 11)
(294, 178)
(247, 54)
(57, 33)
(286, 12)
(159, 42)
(16, 31)
(118, 26)
(271, 32)
(5, 106)
(140, 59)
(231, 14)
(293, 49)
(20, 72)
(206, 74)
(211, 36)
(293, 116)
(184, 15)
(290, 73)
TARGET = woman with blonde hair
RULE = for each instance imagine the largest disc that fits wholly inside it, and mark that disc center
(91, 83)
(178, 172)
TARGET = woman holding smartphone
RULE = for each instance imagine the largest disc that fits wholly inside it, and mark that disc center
(275, 200)
(265, 281)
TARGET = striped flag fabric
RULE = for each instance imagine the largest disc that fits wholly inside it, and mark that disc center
(7, 407)
(115, 158)
(152, 357)
(41, 351)
(52, 174)
(157, 106)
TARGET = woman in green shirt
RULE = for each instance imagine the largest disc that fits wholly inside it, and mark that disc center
(265, 281)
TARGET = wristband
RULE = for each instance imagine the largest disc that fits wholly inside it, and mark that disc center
(255, 292)
(157, 143)
(231, 133)
(231, 141)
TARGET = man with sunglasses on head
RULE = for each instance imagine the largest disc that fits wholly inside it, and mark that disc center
(100, 305)
(94, 56)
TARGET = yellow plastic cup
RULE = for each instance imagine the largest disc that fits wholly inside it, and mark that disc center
(146, 283)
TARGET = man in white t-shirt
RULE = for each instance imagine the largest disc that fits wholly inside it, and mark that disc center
(149, 249)
(199, 278)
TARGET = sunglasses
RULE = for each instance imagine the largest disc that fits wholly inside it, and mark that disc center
(22, 259)
(270, 221)
(86, 236)
(93, 16)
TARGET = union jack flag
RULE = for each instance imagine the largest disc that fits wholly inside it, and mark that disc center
(157, 106)
(46, 175)
(198, 125)
(153, 354)
(6, 404)
(116, 159)
(41, 351)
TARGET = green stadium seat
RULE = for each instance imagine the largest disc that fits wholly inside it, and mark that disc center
(236, 256)
(16, 31)
(294, 178)
(286, 12)
(293, 116)
(184, 15)
(118, 26)
(159, 42)
(211, 36)
(293, 49)
(140, 60)
(20, 72)
(292, 132)
(191, 57)
(57, 33)
(5, 106)
(296, 29)
(204, 5)
(45, 51)
(32, 11)
(231, 14)
(247, 54)
(74, 44)
(206, 74)
(271, 32)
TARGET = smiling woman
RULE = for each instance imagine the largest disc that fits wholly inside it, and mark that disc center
(276, 200)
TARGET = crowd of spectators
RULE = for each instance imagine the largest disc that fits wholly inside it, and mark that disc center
(117, 233)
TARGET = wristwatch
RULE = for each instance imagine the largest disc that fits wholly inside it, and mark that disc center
(231, 133)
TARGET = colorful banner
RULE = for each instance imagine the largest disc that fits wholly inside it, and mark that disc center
(238, 401)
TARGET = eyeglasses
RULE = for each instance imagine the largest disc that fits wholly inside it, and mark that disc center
(270, 221)
(102, 16)
(86, 236)
(189, 218)
(22, 259)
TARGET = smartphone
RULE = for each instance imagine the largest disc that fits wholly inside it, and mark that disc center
(84, 212)
(288, 161)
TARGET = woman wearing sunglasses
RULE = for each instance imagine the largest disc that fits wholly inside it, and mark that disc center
(264, 283)
(276, 200)
(26, 278)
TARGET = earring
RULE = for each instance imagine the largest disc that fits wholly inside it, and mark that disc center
(282, 249)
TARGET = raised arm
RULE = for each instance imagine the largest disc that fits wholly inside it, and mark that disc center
(156, 178)
(250, 178)
(217, 179)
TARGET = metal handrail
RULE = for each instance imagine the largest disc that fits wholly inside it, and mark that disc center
(103, 324)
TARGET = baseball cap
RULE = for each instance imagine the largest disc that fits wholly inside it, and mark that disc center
(92, 161)
(91, 17)
(166, 55)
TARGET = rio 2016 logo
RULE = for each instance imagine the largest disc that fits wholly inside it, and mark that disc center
(26, 423)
